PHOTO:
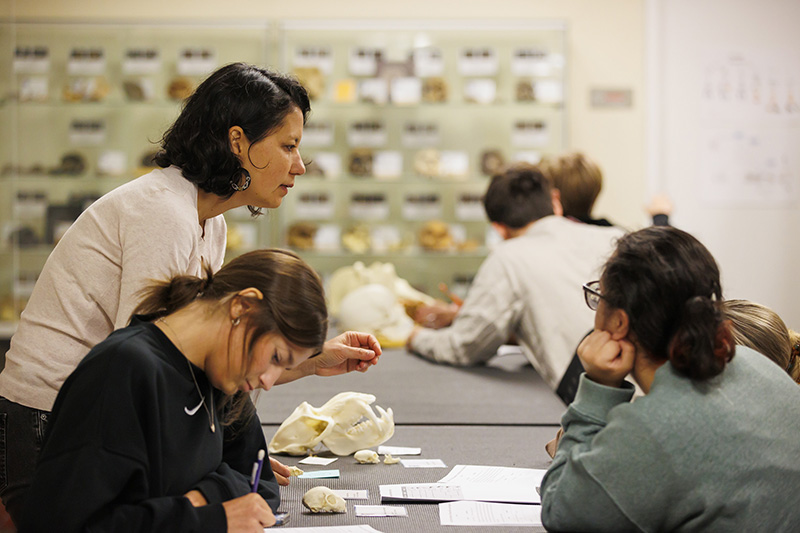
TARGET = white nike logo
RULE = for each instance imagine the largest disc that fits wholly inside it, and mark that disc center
(191, 412)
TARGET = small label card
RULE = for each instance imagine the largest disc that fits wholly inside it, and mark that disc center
(318, 134)
(353, 494)
(530, 61)
(369, 206)
(363, 61)
(31, 59)
(398, 450)
(314, 206)
(423, 463)
(320, 57)
(322, 461)
(425, 206)
(87, 132)
(141, 61)
(196, 61)
(469, 206)
(428, 62)
(367, 133)
(86, 61)
(477, 61)
(321, 474)
(530, 133)
(380, 510)
(420, 134)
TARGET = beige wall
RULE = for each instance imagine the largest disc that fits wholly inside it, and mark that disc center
(606, 48)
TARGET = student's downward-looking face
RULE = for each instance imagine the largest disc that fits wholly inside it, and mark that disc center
(273, 162)
(271, 355)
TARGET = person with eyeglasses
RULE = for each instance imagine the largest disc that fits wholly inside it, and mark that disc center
(712, 445)
(526, 288)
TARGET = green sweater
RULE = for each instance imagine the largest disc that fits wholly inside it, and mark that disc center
(721, 455)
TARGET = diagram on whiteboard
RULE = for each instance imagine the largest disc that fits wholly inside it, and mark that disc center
(750, 123)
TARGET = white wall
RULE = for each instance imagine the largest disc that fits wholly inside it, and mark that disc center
(605, 40)
(710, 150)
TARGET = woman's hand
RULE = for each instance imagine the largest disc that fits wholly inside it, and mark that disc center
(349, 351)
(607, 361)
(352, 350)
(248, 514)
(281, 471)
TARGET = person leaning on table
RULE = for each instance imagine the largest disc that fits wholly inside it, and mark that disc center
(154, 430)
(235, 143)
(713, 444)
(526, 287)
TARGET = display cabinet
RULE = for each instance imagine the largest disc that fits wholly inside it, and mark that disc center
(82, 109)
(409, 120)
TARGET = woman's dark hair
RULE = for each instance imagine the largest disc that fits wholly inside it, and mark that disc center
(293, 303)
(237, 94)
(518, 196)
(668, 284)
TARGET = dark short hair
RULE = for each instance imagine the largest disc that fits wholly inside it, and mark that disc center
(518, 196)
(668, 283)
(238, 94)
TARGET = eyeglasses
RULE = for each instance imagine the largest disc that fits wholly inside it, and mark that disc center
(591, 293)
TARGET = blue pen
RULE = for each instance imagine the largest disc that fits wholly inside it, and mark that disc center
(257, 470)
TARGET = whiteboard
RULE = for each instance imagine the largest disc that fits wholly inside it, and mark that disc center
(725, 137)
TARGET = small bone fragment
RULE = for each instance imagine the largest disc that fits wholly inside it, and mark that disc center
(389, 460)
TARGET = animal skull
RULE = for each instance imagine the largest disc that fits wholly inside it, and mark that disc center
(366, 457)
(324, 500)
(345, 423)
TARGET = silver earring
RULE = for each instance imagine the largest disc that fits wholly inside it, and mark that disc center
(236, 187)
(235, 321)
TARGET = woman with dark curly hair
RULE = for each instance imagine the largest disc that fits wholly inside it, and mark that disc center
(713, 444)
(235, 143)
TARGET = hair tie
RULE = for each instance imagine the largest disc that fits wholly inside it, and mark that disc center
(793, 357)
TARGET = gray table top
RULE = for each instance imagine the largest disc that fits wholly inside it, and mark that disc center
(506, 391)
(513, 446)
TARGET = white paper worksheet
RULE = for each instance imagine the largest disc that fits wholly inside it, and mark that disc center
(362, 528)
(489, 514)
(443, 492)
(493, 474)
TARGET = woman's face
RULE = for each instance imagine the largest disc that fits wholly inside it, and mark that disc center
(273, 162)
(271, 355)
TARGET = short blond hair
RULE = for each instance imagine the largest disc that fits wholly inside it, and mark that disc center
(578, 179)
(760, 328)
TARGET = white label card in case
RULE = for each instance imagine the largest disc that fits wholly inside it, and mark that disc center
(363, 61)
(141, 61)
(87, 132)
(422, 206)
(314, 206)
(320, 57)
(367, 134)
(454, 163)
(329, 162)
(196, 61)
(318, 134)
(469, 206)
(428, 62)
(477, 61)
(531, 133)
(31, 59)
(369, 206)
(548, 91)
(86, 61)
(530, 61)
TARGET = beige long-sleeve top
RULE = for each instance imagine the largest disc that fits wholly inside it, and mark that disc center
(529, 286)
(145, 230)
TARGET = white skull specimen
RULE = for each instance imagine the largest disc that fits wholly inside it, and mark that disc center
(347, 279)
(375, 309)
(324, 500)
(367, 457)
(345, 423)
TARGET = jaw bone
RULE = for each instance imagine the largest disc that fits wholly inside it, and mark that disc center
(345, 424)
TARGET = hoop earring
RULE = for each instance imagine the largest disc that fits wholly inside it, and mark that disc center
(236, 187)
(235, 321)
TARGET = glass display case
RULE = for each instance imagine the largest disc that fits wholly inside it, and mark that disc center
(82, 109)
(409, 121)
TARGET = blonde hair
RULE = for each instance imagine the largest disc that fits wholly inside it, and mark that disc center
(760, 328)
(578, 179)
